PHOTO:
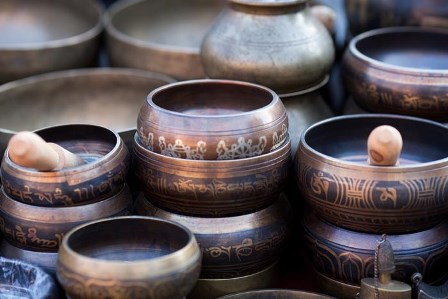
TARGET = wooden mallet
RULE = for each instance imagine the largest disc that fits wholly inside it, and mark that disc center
(384, 146)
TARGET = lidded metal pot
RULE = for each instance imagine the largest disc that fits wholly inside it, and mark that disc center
(275, 43)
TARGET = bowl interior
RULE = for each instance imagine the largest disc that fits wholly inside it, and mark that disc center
(212, 98)
(27, 21)
(345, 138)
(419, 49)
(128, 239)
(174, 23)
(278, 294)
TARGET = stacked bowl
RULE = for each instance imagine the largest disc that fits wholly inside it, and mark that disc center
(214, 155)
(37, 208)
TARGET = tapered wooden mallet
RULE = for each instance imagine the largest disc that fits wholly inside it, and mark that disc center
(28, 149)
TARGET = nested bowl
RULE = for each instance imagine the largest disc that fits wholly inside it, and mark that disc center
(348, 256)
(233, 246)
(19, 279)
(212, 119)
(151, 35)
(334, 177)
(275, 293)
(44, 36)
(400, 70)
(131, 257)
(211, 188)
(43, 228)
(103, 175)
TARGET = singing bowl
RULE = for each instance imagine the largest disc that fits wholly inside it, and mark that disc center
(19, 279)
(400, 70)
(212, 119)
(151, 35)
(103, 175)
(131, 257)
(334, 177)
(233, 246)
(348, 256)
(108, 97)
(210, 188)
(39, 37)
(43, 228)
(333, 287)
(275, 293)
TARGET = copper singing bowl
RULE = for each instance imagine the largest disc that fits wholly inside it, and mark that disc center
(20, 279)
(131, 257)
(233, 246)
(151, 35)
(213, 120)
(401, 70)
(275, 293)
(43, 228)
(208, 187)
(334, 177)
(104, 173)
(43, 36)
(348, 256)
(109, 97)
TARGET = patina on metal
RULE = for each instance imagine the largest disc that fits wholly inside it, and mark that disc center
(423, 290)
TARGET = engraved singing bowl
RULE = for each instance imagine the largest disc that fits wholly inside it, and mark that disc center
(233, 246)
(129, 257)
(19, 279)
(150, 35)
(43, 228)
(108, 97)
(211, 188)
(334, 177)
(277, 294)
(212, 120)
(104, 173)
(400, 70)
(348, 256)
(45, 36)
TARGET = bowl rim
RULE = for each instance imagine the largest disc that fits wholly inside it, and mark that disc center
(170, 260)
(82, 37)
(304, 146)
(269, 3)
(411, 71)
(275, 98)
(282, 291)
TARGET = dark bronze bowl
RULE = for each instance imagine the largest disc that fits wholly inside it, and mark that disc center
(19, 279)
(348, 256)
(129, 257)
(103, 175)
(402, 70)
(151, 35)
(211, 188)
(213, 120)
(277, 294)
(335, 179)
(43, 36)
(233, 246)
(43, 228)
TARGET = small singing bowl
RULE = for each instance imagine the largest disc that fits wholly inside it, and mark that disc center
(348, 256)
(43, 228)
(336, 180)
(233, 246)
(210, 188)
(212, 119)
(400, 70)
(276, 293)
(129, 257)
(44, 36)
(103, 175)
(19, 279)
(150, 35)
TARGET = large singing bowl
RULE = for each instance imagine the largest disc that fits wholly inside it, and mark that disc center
(43, 36)
(109, 97)
(129, 257)
(333, 175)
(151, 35)
(275, 293)
(400, 70)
